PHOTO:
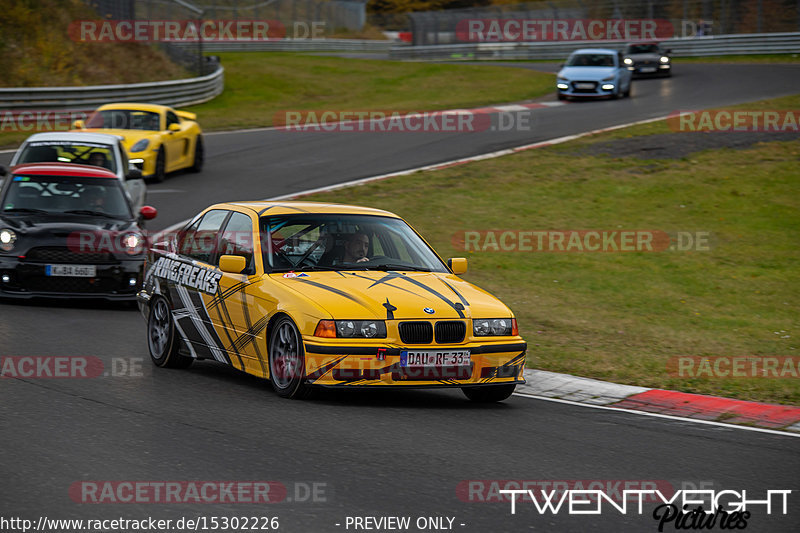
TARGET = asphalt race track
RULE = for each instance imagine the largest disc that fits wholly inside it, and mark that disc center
(366, 453)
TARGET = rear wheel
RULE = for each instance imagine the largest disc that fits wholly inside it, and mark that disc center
(287, 360)
(199, 155)
(489, 393)
(161, 166)
(161, 338)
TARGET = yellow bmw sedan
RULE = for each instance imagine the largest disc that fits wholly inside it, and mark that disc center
(324, 295)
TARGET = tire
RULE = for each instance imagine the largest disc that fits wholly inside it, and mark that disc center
(287, 360)
(561, 96)
(161, 166)
(199, 155)
(161, 339)
(489, 393)
(628, 92)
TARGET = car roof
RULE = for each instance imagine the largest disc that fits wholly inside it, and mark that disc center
(295, 208)
(595, 51)
(102, 138)
(62, 169)
(155, 108)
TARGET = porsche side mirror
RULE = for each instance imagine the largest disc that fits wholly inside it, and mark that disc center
(458, 265)
(174, 127)
(233, 264)
(78, 125)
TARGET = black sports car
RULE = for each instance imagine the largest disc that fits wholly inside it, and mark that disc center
(68, 231)
(647, 59)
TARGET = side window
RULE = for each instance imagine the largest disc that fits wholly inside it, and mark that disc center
(237, 239)
(199, 242)
(172, 118)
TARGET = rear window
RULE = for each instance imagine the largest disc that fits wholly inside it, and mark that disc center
(82, 153)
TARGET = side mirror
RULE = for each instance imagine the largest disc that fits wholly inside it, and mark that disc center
(133, 174)
(174, 127)
(148, 212)
(233, 264)
(458, 265)
(78, 125)
(3, 170)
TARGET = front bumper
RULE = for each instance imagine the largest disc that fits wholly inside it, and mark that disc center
(581, 89)
(144, 161)
(650, 69)
(28, 279)
(362, 366)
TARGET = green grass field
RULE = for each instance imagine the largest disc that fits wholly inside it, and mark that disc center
(622, 316)
(260, 84)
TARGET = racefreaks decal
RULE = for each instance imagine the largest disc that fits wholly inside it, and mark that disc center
(200, 278)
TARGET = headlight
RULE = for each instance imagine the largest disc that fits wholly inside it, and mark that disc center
(664, 59)
(562, 86)
(483, 327)
(140, 145)
(628, 61)
(7, 238)
(132, 243)
(370, 329)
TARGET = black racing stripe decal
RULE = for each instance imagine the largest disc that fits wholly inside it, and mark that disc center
(256, 346)
(219, 297)
(382, 281)
(335, 291)
(460, 297)
(390, 309)
(252, 332)
(227, 325)
(281, 205)
(437, 294)
(321, 371)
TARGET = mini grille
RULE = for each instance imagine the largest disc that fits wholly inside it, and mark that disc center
(65, 255)
(416, 332)
(450, 332)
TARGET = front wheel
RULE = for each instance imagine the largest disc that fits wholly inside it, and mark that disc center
(161, 338)
(489, 393)
(287, 360)
(161, 166)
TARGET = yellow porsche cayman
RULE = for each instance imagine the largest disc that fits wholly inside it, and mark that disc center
(309, 294)
(158, 139)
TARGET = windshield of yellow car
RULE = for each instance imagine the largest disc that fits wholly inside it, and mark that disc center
(125, 119)
(82, 153)
(344, 242)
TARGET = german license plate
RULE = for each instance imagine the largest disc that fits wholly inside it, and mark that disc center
(71, 271)
(645, 70)
(434, 358)
(584, 85)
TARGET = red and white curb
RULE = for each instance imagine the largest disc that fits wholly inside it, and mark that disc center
(672, 404)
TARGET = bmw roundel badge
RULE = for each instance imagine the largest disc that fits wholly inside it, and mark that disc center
(429, 310)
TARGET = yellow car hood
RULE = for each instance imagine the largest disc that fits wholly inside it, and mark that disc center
(387, 295)
(129, 137)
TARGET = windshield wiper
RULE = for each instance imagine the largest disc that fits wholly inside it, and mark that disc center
(26, 210)
(394, 266)
(90, 212)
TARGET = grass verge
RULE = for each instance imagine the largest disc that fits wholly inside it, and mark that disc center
(622, 316)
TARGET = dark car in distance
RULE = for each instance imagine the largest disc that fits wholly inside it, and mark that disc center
(68, 231)
(647, 59)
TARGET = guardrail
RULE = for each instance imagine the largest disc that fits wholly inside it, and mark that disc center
(173, 93)
(297, 45)
(753, 43)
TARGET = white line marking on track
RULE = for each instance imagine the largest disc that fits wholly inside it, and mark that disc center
(659, 415)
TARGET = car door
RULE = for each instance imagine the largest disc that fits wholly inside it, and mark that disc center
(177, 142)
(239, 312)
(193, 282)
